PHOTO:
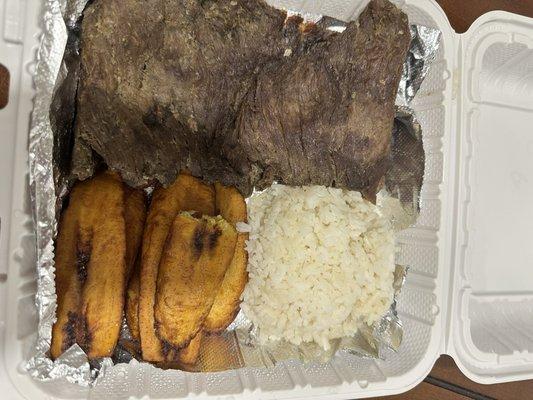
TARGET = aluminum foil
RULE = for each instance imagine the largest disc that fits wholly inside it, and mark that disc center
(50, 150)
(424, 47)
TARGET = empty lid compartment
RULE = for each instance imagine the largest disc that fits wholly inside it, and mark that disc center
(493, 326)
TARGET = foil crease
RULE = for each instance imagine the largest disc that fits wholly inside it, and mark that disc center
(50, 150)
(422, 52)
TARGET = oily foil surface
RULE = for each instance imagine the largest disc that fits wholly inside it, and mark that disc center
(50, 151)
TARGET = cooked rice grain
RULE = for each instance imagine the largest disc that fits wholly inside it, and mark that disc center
(321, 263)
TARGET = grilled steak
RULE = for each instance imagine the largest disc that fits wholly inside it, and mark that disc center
(236, 92)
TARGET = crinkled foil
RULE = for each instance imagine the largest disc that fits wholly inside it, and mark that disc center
(50, 150)
(72, 365)
(424, 46)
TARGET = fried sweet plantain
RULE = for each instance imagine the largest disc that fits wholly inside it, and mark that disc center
(185, 194)
(189, 355)
(104, 266)
(92, 251)
(132, 302)
(232, 207)
(135, 217)
(68, 285)
(195, 259)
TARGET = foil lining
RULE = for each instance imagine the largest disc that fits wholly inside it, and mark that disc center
(50, 150)
(423, 50)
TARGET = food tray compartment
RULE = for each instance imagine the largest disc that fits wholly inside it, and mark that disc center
(422, 247)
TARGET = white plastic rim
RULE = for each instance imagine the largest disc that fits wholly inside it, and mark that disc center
(445, 305)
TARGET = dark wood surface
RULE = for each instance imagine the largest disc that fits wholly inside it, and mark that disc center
(4, 86)
(445, 371)
(445, 381)
(462, 13)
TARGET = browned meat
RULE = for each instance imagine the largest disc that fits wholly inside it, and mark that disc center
(235, 92)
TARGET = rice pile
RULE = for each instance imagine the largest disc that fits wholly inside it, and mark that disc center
(321, 263)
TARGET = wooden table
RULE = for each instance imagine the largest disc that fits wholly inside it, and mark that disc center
(462, 13)
(445, 381)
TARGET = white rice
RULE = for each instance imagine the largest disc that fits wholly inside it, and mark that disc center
(321, 263)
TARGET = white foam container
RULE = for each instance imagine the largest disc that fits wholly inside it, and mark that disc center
(469, 292)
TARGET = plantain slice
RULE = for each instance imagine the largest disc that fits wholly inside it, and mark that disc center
(91, 267)
(189, 354)
(102, 299)
(185, 194)
(132, 302)
(230, 204)
(232, 207)
(195, 259)
(68, 286)
(135, 217)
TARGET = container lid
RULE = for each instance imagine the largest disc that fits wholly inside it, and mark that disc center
(492, 322)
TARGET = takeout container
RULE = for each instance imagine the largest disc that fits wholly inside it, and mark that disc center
(469, 292)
